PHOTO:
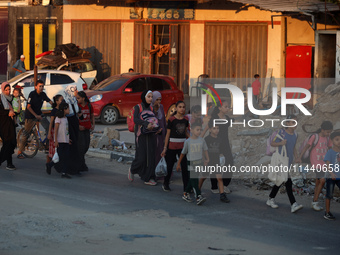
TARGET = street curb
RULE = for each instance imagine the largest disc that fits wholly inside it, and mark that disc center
(105, 154)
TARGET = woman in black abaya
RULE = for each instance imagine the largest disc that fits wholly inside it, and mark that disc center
(7, 126)
(144, 162)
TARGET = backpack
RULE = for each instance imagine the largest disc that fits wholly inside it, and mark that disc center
(278, 133)
(306, 156)
(147, 115)
(130, 119)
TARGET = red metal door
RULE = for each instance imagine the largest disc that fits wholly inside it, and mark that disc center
(298, 68)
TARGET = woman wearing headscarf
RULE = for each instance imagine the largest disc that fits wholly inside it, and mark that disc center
(158, 109)
(144, 162)
(7, 126)
(70, 94)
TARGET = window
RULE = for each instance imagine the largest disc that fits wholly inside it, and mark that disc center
(137, 85)
(110, 84)
(60, 79)
(158, 84)
(66, 68)
(77, 67)
(29, 81)
(88, 67)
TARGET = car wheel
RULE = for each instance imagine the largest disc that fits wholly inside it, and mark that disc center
(109, 115)
(171, 110)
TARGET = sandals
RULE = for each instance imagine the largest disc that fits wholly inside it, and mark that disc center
(151, 183)
(21, 156)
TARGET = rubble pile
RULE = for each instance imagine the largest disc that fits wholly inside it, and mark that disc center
(110, 140)
(61, 54)
(326, 108)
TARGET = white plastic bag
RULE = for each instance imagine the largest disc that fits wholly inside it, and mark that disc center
(222, 160)
(55, 158)
(279, 174)
(161, 169)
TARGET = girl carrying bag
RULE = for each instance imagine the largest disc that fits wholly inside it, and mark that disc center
(278, 174)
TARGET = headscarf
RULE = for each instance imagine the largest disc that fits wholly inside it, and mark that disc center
(70, 98)
(5, 98)
(143, 97)
(155, 96)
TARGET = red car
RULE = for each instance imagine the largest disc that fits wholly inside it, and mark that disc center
(115, 96)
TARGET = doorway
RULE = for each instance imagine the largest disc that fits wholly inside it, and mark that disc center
(327, 60)
(161, 65)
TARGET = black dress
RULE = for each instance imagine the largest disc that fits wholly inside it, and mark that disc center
(226, 151)
(8, 136)
(144, 162)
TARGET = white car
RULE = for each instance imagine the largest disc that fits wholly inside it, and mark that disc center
(84, 66)
(55, 83)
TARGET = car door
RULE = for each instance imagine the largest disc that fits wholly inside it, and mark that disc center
(132, 94)
(88, 73)
(86, 70)
(27, 84)
(56, 85)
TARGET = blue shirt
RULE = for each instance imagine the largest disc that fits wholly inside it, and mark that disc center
(290, 145)
(333, 157)
(20, 66)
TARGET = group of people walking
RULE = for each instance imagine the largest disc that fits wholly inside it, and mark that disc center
(180, 139)
(68, 130)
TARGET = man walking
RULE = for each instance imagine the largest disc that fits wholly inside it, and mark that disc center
(19, 66)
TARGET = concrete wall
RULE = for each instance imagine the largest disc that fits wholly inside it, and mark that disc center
(196, 64)
(301, 33)
(127, 49)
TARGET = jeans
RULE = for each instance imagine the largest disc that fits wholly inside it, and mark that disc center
(330, 184)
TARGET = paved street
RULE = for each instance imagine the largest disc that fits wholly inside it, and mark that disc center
(103, 213)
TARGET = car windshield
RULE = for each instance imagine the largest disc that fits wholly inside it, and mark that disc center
(110, 84)
(18, 77)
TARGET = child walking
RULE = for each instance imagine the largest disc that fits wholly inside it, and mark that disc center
(196, 150)
(319, 144)
(177, 132)
(16, 104)
(51, 148)
(289, 141)
(256, 85)
(214, 151)
(86, 124)
(62, 140)
(332, 159)
(221, 112)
